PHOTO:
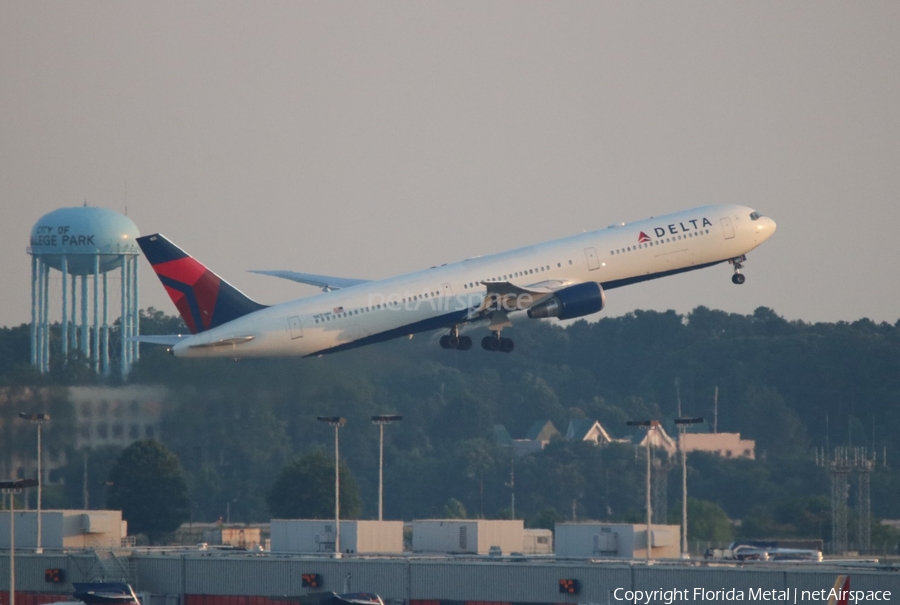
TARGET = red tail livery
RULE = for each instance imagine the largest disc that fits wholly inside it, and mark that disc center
(204, 299)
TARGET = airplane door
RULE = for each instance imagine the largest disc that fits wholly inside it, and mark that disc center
(593, 262)
(727, 228)
(296, 328)
(448, 291)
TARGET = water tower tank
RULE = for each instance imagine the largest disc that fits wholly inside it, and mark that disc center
(82, 233)
(84, 244)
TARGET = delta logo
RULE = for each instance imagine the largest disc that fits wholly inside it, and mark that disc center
(673, 229)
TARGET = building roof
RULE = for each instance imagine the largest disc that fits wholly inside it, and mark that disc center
(543, 430)
(501, 435)
(587, 430)
(659, 438)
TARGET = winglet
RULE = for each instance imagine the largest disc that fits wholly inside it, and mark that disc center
(204, 299)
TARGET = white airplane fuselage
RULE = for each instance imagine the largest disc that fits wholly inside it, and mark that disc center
(441, 297)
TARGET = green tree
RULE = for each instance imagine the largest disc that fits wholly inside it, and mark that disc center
(546, 519)
(305, 490)
(147, 484)
(454, 509)
(100, 462)
(706, 521)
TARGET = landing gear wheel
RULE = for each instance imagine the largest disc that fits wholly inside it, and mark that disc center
(465, 343)
(490, 343)
(453, 341)
(507, 345)
(445, 341)
(738, 263)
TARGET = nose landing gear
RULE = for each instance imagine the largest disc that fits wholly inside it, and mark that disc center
(738, 278)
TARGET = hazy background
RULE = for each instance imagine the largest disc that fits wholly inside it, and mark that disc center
(367, 139)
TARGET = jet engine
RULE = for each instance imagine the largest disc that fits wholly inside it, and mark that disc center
(569, 303)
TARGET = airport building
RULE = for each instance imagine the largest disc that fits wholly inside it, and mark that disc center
(203, 575)
(227, 578)
(67, 529)
(621, 540)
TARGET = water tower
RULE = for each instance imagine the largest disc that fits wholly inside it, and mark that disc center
(85, 244)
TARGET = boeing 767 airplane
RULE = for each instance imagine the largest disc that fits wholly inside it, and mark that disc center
(564, 278)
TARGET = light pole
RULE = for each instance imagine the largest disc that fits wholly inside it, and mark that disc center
(337, 422)
(649, 425)
(381, 421)
(682, 424)
(38, 419)
(12, 488)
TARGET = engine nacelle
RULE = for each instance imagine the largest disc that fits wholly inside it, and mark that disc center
(571, 302)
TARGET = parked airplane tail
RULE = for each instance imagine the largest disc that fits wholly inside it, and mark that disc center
(204, 299)
(841, 592)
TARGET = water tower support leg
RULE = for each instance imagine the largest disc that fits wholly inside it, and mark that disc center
(64, 329)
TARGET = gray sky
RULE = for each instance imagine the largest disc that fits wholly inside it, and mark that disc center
(368, 139)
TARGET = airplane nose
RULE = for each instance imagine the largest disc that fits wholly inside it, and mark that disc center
(765, 228)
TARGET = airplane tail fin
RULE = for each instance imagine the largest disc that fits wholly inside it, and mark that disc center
(204, 299)
(841, 591)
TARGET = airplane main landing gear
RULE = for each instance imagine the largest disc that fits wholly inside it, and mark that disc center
(454, 341)
(738, 278)
(496, 343)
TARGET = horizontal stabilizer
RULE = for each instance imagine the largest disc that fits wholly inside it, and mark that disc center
(225, 342)
(161, 339)
(326, 282)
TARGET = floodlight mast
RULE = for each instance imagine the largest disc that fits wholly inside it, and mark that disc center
(38, 419)
(682, 424)
(649, 425)
(381, 421)
(12, 488)
(337, 422)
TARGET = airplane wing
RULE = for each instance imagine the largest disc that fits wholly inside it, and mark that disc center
(507, 297)
(326, 282)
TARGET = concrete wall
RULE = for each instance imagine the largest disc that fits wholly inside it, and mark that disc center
(246, 579)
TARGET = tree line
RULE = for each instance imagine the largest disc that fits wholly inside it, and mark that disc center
(796, 388)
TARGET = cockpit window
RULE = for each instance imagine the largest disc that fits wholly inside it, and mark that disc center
(755, 216)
